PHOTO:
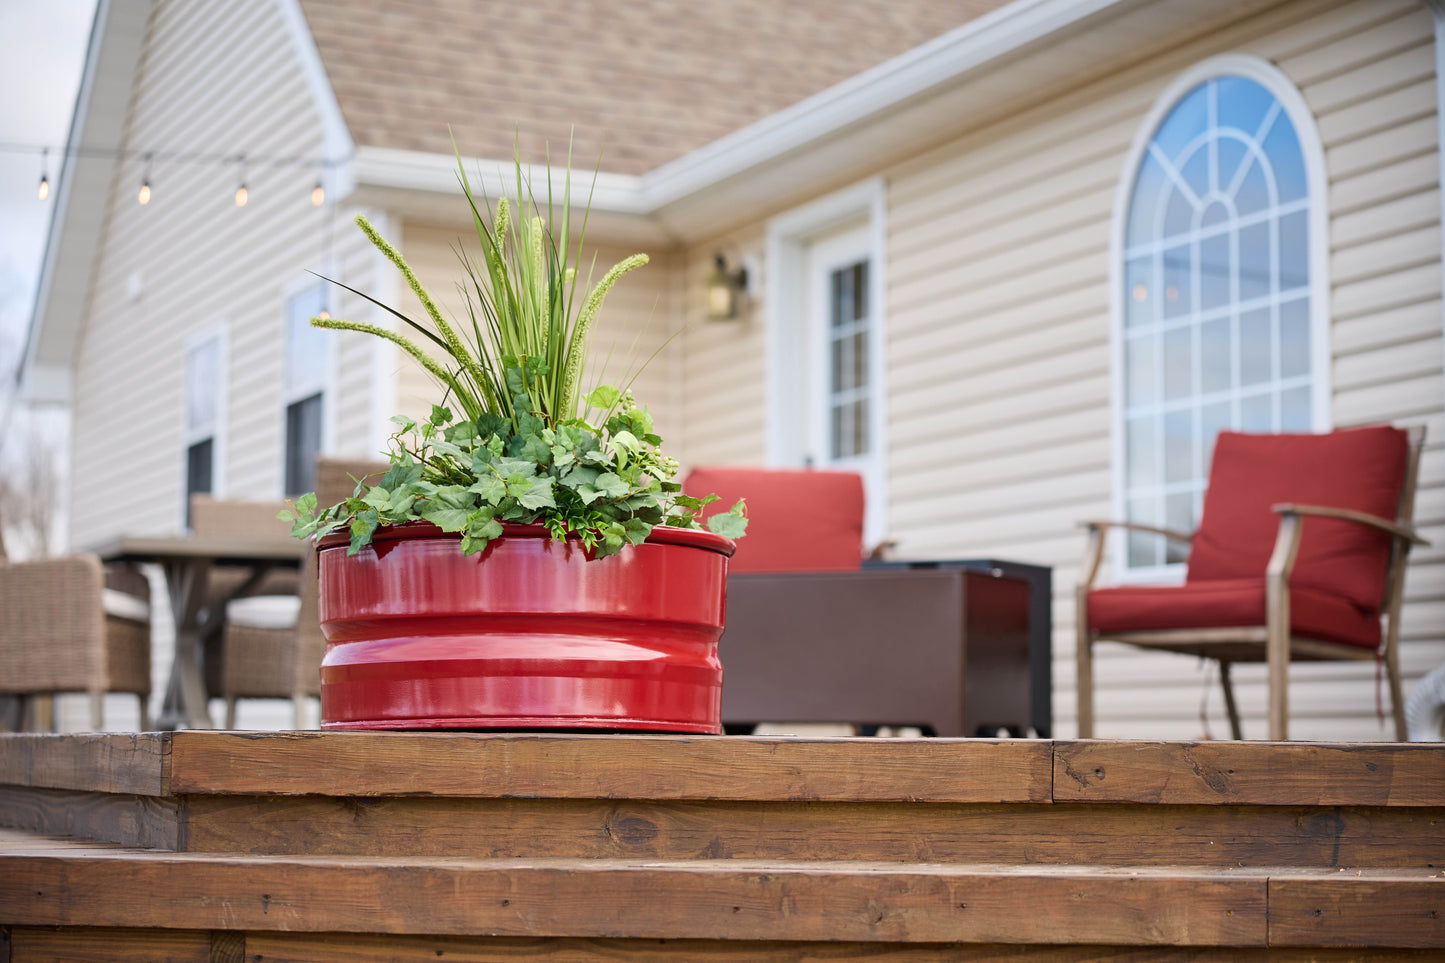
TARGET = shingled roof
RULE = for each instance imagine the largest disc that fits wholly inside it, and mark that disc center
(654, 79)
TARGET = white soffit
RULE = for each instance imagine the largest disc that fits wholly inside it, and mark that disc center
(81, 197)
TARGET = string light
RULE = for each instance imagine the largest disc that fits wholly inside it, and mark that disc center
(318, 195)
(44, 191)
(241, 195)
(145, 185)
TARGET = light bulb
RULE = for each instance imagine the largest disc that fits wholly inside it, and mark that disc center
(145, 192)
(318, 195)
(44, 191)
(324, 315)
(241, 196)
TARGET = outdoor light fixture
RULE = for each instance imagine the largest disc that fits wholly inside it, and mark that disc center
(44, 191)
(725, 290)
(318, 195)
(241, 195)
(145, 185)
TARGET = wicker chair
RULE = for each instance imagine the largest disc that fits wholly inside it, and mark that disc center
(70, 625)
(263, 657)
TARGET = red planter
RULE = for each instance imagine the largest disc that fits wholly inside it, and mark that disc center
(530, 633)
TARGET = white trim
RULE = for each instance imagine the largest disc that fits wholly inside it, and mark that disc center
(337, 146)
(325, 385)
(219, 332)
(1278, 84)
(789, 237)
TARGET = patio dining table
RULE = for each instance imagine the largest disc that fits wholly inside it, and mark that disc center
(188, 563)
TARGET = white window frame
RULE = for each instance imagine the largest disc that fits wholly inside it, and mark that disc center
(326, 384)
(1306, 129)
(219, 332)
(793, 340)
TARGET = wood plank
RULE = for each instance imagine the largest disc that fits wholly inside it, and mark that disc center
(149, 822)
(605, 767)
(133, 762)
(346, 948)
(1360, 908)
(1080, 833)
(85, 944)
(745, 900)
(1265, 774)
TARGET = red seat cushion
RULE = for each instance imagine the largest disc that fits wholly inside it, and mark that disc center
(1361, 468)
(1232, 602)
(798, 520)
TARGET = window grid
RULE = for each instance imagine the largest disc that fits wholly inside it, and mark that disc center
(1175, 396)
(849, 391)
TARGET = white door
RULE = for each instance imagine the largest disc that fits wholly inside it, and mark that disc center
(844, 366)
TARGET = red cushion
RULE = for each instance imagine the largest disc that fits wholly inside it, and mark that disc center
(798, 521)
(1362, 469)
(1312, 614)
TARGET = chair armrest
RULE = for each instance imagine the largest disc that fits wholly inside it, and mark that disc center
(1094, 550)
(1350, 515)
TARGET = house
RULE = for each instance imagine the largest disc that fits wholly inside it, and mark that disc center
(1016, 263)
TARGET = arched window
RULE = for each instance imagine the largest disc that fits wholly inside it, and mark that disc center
(1220, 322)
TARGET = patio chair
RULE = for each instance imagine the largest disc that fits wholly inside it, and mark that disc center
(1299, 556)
(71, 625)
(813, 636)
(271, 646)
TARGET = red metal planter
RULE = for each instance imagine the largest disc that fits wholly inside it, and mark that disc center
(530, 633)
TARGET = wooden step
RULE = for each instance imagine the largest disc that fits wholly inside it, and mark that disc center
(55, 882)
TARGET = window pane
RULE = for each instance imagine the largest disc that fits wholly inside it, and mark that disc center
(1179, 446)
(1253, 194)
(1144, 548)
(1177, 277)
(1179, 363)
(1232, 155)
(1140, 298)
(860, 427)
(1257, 413)
(1294, 338)
(1243, 104)
(1139, 365)
(1150, 186)
(1178, 215)
(1256, 365)
(1254, 261)
(1214, 355)
(1183, 124)
(1282, 147)
(307, 348)
(842, 364)
(1294, 410)
(1215, 276)
(303, 444)
(1212, 420)
(1196, 171)
(860, 290)
(1294, 252)
(1141, 443)
(203, 376)
(1178, 515)
(200, 463)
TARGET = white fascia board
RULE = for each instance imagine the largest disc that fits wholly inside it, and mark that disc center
(82, 186)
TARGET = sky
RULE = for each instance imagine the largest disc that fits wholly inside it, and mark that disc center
(42, 51)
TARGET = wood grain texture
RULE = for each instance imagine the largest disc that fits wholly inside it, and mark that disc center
(1125, 835)
(605, 767)
(149, 822)
(1264, 774)
(97, 762)
(1359, 908)
(273, 947)
(743, 900)
(85, 944)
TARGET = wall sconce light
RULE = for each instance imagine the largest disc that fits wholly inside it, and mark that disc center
(725, 290)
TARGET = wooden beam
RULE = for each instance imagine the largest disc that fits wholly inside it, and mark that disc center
(149, 822)
(601, 767)
(133, 762)
(1364, 907)
(1243, 773)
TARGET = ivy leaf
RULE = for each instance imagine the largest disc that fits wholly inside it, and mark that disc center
(507, 467)
(518, 484)
(454, 496)
(378, 498)
(408, 425)
(447, 519)
(579, 476)
(730, 524)
(539, 494)
(637, 530)
(611, 485)
(362, 527)
(440, 416)
(491, 489)
(603, 396)
(536, 450)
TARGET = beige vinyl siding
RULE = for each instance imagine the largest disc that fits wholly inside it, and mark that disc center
(216, 77)
(633, 324)
(999, 336)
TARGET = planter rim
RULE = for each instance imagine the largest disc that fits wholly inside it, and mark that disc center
(661, 534)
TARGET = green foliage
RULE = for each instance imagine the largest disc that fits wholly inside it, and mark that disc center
(520, 450)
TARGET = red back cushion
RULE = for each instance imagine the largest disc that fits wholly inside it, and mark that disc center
(798, 521)
(1362, 469)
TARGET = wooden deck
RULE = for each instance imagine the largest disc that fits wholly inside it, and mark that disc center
(215, 846)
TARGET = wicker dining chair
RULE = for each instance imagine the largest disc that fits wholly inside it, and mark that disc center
(1299, 556)
(72, 625)
(273, 654)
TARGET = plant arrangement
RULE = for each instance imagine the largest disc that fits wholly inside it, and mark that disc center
(524, 444)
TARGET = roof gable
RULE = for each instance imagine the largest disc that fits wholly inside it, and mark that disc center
(502, 73)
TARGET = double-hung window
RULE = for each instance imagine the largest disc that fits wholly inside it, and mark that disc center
(308, 367)
(1220, 320)
(202, 434)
